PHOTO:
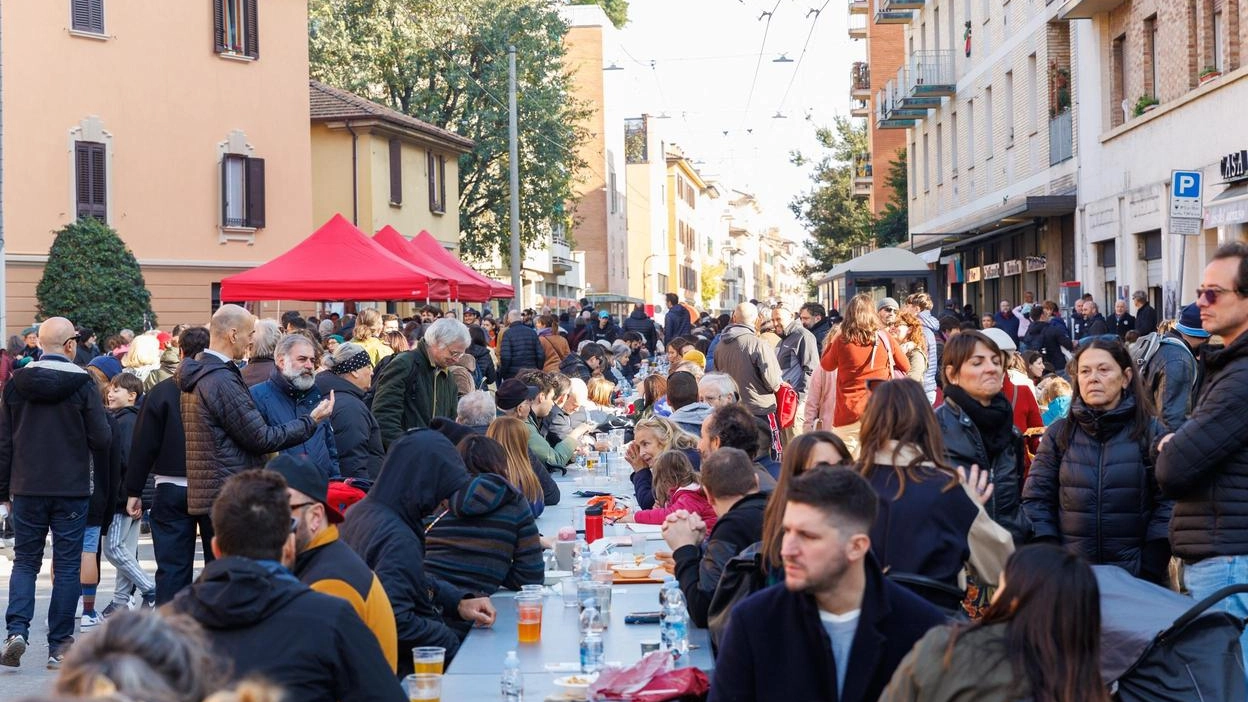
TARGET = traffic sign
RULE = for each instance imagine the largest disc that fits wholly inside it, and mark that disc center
(1186, 199)
(1185, 226)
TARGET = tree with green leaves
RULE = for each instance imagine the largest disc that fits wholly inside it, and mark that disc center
(93, 280)
(837, 221)
(892, 227)
(445, 62)
(712, 282)
(617, 10)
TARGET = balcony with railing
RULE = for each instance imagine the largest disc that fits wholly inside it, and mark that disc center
(860, 80)
(888, 111)
(903, 4)
(560, 255)
(857, 26)
(892, 12)
(859, 7)
(931, 74)
(1061, 137)
(859, 107)
(862, 175)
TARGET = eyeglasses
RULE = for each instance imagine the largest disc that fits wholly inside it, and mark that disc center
(1211, 294)
(1107, 338)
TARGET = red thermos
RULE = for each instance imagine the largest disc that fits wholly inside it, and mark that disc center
(593, 523)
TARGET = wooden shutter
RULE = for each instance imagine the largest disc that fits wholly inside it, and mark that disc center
(431, 164)
(218, 28)
(254, 184)
(396, 172)
(90, 180)
(87, 15)
(441, 183)
(225, 190)
(251, 27)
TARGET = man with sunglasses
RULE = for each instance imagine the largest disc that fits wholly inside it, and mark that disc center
(51, 420)
(1204, 465)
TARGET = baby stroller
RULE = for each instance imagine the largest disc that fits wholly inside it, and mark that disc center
(1160, 646)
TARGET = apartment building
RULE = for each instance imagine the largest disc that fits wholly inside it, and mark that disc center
(988, 85)
(879, 28)
(185, 129)
(1161, 87)
(689, 204)
(649, 256)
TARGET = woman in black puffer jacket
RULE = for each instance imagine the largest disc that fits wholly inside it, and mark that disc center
(1091, 487)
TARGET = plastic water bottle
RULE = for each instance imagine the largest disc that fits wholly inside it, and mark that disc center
(593, 654)
(512, 685)
(674, 629)
(581, 560)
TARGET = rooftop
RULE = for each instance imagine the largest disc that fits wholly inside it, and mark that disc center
(330, 104)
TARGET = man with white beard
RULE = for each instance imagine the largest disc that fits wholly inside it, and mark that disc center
(290, 393)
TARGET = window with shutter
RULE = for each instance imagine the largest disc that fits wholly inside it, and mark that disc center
(236, 27)
(396, 172)
(437, 183)
(87, 16)
(91, 180)
(242, 192)
(255, 193)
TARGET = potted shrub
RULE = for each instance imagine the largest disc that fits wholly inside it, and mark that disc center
(1208, 73)
(1146, 103)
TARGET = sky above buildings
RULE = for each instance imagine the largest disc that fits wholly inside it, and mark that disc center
(710, 66)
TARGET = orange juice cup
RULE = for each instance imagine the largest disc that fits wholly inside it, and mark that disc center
(529, 616)
(428, 660)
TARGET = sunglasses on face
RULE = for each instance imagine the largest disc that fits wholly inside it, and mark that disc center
(1211, 295)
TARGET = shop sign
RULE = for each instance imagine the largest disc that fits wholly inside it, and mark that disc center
(1037, 263)
(1235, 166)
(1014, 267)
(973, 274)
(992, 270)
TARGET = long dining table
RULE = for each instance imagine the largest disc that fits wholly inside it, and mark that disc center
(476, 671)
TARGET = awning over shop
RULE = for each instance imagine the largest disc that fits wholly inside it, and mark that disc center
(427, 245)
(337, 262)
(1229, 207)
(1009, 216)
(461, 289)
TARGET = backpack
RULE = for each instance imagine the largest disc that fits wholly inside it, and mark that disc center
(1145, 349)
(743, 576)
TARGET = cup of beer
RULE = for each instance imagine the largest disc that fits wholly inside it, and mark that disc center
(423, 687)
(428, 660)
(529, 617)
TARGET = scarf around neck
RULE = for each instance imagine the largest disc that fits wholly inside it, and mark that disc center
(994, 422)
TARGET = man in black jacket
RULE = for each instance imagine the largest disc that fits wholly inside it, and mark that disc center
(159, 448)
(1145, 315)
(1122, 321)
(1204, 465)
(225, 433)
(640, 322)
(836, 629)
(260, 617)
(815, 318)
(387, 530)
(51, 419)
(676, 320)
(519, 349)
(732, 488)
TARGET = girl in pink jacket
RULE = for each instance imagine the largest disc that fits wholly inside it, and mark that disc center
(675, 487)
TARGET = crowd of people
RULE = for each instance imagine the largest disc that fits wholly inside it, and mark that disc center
(885, 504)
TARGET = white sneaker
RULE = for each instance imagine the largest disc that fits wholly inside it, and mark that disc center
(89, 622)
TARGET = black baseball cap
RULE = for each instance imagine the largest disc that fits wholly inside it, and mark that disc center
(303, 475)
(512, 392)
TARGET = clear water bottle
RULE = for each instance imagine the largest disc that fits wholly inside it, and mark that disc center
(674, 628)
(512, 685)
(581, 561)
(593, 654)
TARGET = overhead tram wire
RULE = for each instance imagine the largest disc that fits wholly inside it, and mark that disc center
(759, 64)
(805, 45)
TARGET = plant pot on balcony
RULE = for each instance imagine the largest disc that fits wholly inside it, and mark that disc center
(1149, 108)
(1206, 77)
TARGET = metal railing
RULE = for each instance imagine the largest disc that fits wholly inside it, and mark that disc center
(932, 68)
(1061, 137)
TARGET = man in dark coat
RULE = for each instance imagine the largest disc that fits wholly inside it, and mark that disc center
(263, 620)
(225, 433)
(1122, 321)
(387, 530)
(1005, 320)
(731, 485)
(519, 349)
(836, 629)
(1145, 314)
(676, 320)
(1204, 465)
(291, 392)
(159, 448)
(356, 432)
(51, 419)
(417, 386)
(640, 322)
(815, 318)
(1172, 376)
(604, 329)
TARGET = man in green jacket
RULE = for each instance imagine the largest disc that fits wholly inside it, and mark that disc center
(416, 386)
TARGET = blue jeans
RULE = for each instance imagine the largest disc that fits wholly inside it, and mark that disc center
(173, 540)
(1203, 578)
(32, 518)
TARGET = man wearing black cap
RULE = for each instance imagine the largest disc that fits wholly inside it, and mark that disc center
(326, 564)
(87, 348)
(471, 316)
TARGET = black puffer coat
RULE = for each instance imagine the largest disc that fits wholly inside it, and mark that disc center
(356, 433)
(519, 349)
(1204, 466)
(638, 321)
(965, 448)
(225, 433)
(1093, 490)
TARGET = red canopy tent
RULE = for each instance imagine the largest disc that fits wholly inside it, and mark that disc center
(338, 262)
(431, 248)
(463, 289)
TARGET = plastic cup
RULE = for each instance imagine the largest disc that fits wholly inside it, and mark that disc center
(529, 617)
(567, 587)
(423, 687)
(602, 593)
(639, 545)
(539, 590)
(428, 660)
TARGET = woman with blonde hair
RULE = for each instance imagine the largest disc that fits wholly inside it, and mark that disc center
(396, 341)
(861, 352)
(600, 391)
(522, 470)
(909, 333)
(651, 437)
(143, 361)
(367, 333)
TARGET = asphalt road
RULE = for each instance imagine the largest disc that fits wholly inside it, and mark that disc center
(33, 677)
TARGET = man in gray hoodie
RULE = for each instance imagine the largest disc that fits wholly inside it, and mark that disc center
(682, 395)
(750, 362)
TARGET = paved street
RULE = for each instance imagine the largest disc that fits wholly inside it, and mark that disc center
(33, 677)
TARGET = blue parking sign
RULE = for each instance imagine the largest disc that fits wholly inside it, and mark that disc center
(1186, 200)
